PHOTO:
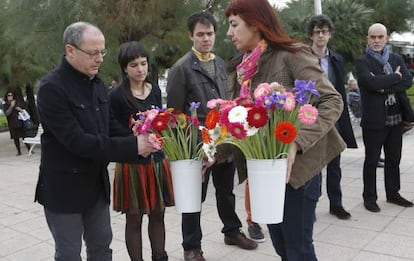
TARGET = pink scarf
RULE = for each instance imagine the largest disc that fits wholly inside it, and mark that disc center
(248, 67)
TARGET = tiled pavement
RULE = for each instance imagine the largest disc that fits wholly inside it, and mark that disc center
(386, 236)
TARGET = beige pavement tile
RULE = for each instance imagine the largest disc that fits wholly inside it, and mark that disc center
(401, 226)
(346, 236)
(334, 252)
(392, 245)
(368, 256)
(17, 243)
(38, 252)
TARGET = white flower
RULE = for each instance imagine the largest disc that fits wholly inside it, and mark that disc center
(209, 150)
(250, 129)
(238, 114)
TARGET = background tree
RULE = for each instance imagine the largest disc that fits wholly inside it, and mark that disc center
(397, 15)
(351, 20)
(31, 30)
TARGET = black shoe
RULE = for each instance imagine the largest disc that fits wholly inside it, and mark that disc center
(372, 206)
(255, 233)
(400, 201)
(407, 126)
(194, 255)
(380, 164)
(241, 241)
(339, 212)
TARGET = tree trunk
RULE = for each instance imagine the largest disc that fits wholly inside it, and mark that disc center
(31, 103)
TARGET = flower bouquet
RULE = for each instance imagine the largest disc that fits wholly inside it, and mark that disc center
(177, 135)
(172, 131)
(263, 128)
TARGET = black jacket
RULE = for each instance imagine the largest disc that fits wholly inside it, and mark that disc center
(78, 141)
(372, 80)
(343, 125)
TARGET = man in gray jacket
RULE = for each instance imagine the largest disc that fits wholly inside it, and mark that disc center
(201, 76)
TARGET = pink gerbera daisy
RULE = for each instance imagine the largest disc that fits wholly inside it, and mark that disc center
(307, 114)
(289, 102)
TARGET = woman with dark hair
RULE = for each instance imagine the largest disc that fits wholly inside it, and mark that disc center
(11, 109)
(273, 56)
(144, 187)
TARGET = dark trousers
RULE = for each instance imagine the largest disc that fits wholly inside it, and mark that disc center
(288, 236)
(333, 182)
(223, 180)
(94, 225)
(390, 138)
(312, 194)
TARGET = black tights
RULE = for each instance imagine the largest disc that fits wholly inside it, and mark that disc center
(17, 144)
(156, 233)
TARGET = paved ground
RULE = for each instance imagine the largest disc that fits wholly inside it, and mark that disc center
(386, 236)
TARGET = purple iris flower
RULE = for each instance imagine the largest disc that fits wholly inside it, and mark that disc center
(194, 105)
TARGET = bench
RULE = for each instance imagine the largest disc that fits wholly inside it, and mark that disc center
(33, 141)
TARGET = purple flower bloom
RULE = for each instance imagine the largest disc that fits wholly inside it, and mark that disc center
(194, 105)
(303, 89)
(275, 99)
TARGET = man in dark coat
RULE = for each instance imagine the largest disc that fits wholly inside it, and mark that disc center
(383, 79)
(77, 144)
(320, 29)
(201, 76)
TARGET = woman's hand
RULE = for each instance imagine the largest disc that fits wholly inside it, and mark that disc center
(291, 159)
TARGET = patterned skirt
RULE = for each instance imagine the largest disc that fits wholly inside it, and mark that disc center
(142, 187)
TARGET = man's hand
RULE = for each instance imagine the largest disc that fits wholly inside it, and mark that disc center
(205, 165)
(145, 147)
(397, 71)
(291, 159)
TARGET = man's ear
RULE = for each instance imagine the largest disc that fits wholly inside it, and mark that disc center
(69, 50)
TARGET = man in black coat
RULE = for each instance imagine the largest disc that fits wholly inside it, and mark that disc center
(78, 142)
(320, 29)
(383, 80)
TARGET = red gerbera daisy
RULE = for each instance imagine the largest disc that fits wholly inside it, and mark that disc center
(212, 118)
(237, 130)
(257, 116)
(160, 122)
(285, 132)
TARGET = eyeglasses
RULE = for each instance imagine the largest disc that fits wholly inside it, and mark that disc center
(93, 54)
(9, 95)
(323, 31)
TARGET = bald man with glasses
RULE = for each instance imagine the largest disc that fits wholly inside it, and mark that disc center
(383, 79)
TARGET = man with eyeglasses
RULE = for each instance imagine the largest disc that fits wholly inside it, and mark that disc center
(383, 79)
(320, 29)
(80, 138)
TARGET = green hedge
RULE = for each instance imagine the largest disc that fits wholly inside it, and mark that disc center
(3, 123)
(410, 93)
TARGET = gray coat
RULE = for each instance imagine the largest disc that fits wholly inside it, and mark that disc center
(188, 82)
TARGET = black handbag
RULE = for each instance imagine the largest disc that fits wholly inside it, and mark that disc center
(30, 129)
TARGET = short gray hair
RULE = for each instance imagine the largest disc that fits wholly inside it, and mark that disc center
(73, 34)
